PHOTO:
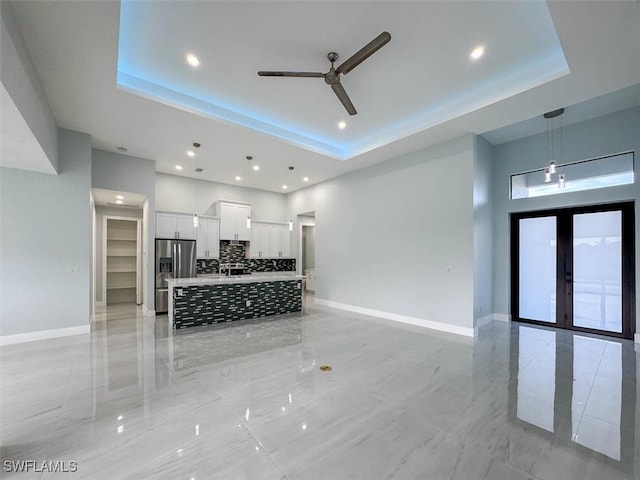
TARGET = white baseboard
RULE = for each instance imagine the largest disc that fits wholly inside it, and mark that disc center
(43, 335)
(421, 322)
(146, 312)
(484, 320)
(502, 317)
(636, 338)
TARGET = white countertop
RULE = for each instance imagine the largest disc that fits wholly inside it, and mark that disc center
(214, 279)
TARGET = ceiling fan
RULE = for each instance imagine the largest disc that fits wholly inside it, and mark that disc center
(332, 77)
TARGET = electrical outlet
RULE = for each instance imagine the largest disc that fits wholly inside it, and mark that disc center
(73, 269)
(447, 269)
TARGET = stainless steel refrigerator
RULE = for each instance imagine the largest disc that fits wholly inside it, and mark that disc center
(174, 259)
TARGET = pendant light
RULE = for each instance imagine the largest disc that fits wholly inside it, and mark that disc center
(552, 168)
(196, 220)
(249, 158)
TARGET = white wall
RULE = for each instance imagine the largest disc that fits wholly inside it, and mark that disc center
(46, 229)
(482, 229)
(181, 194)
(19, 78)
(101, 211)
(385, 234)
(598, 137)
(112, 171)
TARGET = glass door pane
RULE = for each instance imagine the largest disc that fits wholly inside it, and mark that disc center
(537, 269)
(597, 271)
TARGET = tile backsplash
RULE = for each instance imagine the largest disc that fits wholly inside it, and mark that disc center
(271, 264)
(207, 265)
(233, 253)
(238, 254)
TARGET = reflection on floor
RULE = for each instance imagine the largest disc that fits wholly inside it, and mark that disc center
(247, 400)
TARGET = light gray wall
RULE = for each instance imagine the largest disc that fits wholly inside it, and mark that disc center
(19, 78)
(181, 194)
(99, 237)
(309, 242)
(113, 171)
(385, 234)
(602, 136)
(482, 229)
(45, 229)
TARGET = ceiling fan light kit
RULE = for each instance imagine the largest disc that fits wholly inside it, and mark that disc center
(332, 77)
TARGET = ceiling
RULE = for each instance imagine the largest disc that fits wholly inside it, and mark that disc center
(109, 198)
(118, 71)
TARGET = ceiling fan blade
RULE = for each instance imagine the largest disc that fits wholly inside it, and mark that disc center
(338, 89)
(291, 74)
(365, 52)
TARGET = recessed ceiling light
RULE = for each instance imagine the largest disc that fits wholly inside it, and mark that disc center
(191, 153)
(284, 187)
(178, 167)
(342, 124)
(119, 197)
(305, 179)
(477, 53)
(192, 60)
(119, 202)
(256, 167)
(238, 178)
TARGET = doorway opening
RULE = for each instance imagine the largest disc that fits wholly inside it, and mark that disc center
(307, 242)
(121, 265)
(118, 275)
(574, 268)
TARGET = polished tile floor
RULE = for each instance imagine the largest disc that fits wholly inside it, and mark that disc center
(135, 400)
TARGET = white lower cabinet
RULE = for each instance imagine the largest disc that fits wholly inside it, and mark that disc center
(310, 280)
(208, 238)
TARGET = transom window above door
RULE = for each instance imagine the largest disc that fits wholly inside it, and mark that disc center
(609, 171)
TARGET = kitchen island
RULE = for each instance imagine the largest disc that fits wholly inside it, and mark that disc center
(211, 299)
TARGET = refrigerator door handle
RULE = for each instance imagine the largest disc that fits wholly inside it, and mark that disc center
(174, 260)
(179, 261)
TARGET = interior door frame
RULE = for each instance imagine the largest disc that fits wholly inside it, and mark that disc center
(564, 265)
(139, 281)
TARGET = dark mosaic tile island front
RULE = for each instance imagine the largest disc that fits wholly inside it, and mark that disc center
(207, 304)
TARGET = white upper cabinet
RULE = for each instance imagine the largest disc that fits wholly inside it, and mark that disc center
(269, 240)
(175, 225)
(274, 240)
(285, 241)
(242, 213)
(259, 246)
(233, 221)
(185, 228)
(208, 238)
(280, 241)
(166, 225)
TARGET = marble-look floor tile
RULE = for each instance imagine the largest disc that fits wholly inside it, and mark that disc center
(137, 400)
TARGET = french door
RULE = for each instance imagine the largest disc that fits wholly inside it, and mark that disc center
(574, 268)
